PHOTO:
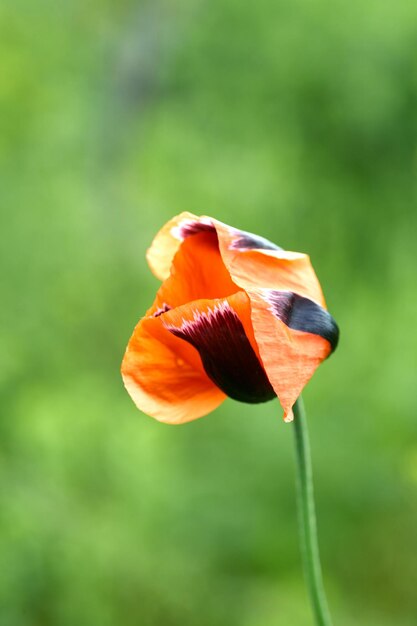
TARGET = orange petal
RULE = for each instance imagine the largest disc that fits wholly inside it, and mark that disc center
(267, 267)
(197, 272)
(166, 244)
(290, 357)
(164, 375)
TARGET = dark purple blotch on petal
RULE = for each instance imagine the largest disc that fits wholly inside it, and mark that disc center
(300, 313)
(194, 228)
(227, 355)
(249, 241)
(162, 309)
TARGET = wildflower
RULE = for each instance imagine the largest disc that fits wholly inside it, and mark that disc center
(235, 316)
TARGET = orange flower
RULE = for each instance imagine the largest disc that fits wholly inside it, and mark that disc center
(235, 316)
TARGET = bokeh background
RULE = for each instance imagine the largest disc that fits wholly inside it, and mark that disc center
(296, 119)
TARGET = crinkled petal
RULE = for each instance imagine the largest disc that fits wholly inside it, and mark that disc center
(290, 356)
(292, 328)
(164, 374)
(264, 266)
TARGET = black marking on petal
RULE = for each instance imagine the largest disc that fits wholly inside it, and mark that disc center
(189, 228)
(249, 241)
(227, 355)
(300, 313)
(162, 309)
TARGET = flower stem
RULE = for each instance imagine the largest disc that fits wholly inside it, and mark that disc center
(307, 518)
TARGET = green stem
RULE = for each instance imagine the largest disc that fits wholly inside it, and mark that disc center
(307, 516)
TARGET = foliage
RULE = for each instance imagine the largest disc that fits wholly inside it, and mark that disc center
(293, 119)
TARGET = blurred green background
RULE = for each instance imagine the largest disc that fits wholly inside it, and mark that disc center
(295, 119)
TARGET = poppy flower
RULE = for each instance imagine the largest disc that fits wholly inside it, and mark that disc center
(235, 316)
